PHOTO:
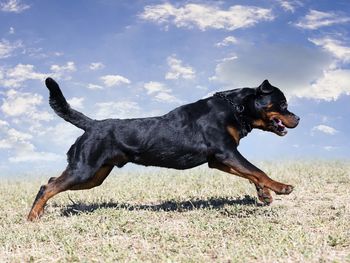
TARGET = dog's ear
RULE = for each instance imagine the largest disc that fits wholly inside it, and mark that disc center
(265, 87)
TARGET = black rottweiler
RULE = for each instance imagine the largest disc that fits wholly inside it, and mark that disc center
(207, 131)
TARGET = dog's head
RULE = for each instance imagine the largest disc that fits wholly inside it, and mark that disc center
(269, 110)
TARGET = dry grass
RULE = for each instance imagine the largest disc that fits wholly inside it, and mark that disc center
(199, 215)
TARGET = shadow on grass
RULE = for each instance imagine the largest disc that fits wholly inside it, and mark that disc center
(167, 206)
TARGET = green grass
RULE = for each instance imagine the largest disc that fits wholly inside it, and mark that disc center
(199, 215)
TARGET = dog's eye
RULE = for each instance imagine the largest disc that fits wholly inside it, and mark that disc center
(283, 106)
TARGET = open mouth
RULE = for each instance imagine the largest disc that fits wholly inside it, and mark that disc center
(278, 127)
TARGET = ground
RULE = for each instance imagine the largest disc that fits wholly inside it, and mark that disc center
(199, 215)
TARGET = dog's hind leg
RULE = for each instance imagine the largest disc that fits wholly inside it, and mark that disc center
(67, 181)
(52, 179)
(95, 180)
(53, 187)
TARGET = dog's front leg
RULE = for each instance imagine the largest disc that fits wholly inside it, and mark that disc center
(233, 162)
(264, 193)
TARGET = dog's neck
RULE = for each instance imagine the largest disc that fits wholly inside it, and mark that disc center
(245, 125)
(244, 122)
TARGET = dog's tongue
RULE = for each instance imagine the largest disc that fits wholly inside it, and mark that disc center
(281, 126)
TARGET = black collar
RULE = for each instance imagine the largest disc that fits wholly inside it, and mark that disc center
(238, 109)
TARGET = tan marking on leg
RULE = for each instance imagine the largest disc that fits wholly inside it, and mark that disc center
(46, 192)
(227, 169)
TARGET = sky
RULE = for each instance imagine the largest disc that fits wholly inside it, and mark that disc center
(125, 59)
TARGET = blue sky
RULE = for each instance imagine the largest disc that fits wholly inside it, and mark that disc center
(127, 59)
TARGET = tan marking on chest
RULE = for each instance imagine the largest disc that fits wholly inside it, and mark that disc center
(234, 133)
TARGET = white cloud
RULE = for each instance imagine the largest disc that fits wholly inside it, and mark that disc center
(114, 80)
(19, 136)
(70, 66)
(292, 68)
(317, 78)
(120, 109)
(316, 19)
(94, 86)
(330, 86)
(64, 70)
(18, 104)
(227, 41)
(14, 77)
(206, 16)
(12, 137)
(335, 47)
(154, 87)
(160, 92)
(324, 129)
(229, 58)
(3, 124)
(7, 48)
(18, 144)
(20, 147)
(76, 103)
(63, 134)
(5, 144)
(28, 153)
(58, 54)
(167, 97)
(22, 72)
(330, 148)
(11, 30)
(14, 6)
(177, 70)
(290, 5)
(334, 81)
(96, 66)
(200, 87)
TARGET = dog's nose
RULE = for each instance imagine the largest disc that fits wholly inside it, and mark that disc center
(297, 119)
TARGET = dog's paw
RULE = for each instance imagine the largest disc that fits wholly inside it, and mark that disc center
(34, 215)
(285, 190)
(265, 196)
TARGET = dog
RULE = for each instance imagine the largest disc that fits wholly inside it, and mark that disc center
(206, 131)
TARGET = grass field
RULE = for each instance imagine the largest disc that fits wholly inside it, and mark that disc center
(199, 215)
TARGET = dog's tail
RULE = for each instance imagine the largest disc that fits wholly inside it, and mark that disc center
(59, 104)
